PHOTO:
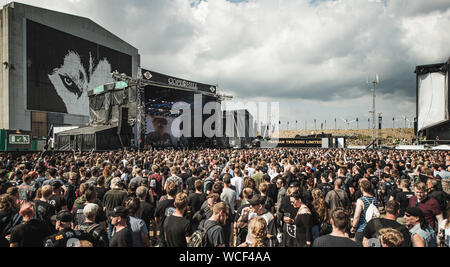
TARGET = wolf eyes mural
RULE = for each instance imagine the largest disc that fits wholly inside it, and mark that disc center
(62, 68)
(72, 81)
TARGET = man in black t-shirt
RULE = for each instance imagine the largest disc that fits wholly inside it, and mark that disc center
(190, 182)
(164, 209)
(403, 198)
(371, 232)
(43, 209)
(215, 234)
(196, 198)
(57, 199)
(177, 229)
(31, 232)
(338, 237)
(146, 210)
(122, 236)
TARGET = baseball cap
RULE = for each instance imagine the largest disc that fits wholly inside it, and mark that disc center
(119, 211)
(64, 216)
(294, 184)
(256, 200)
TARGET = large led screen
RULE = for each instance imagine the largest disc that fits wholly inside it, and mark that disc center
(61, 68)
(433, 99)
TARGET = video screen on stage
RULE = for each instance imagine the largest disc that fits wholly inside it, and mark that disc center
(432, 99)
(159, 119)
(61, 68)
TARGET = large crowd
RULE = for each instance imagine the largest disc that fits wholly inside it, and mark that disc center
(281, 197)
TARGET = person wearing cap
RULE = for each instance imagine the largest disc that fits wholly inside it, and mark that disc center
(256, 209)
(66, 236)
(422, 235)
(122, 235)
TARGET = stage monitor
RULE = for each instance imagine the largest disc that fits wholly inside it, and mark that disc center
(432, 95)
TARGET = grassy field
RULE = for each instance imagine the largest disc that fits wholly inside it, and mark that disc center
(388, 135)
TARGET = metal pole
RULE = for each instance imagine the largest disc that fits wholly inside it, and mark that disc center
(373, 112)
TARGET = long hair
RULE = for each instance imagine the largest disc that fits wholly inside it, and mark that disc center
(319, 204)
(258, 228)
(7, 204)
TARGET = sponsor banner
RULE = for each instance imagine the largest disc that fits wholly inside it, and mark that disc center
(177, 82)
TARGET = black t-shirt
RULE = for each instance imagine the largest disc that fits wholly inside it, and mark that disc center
(164, 209)
(195, 201)
(146, 212)
(121, 239)
(325, 187)
(101, 191)
(58, 202)
(372, 228)
(191, 183)
(114, 198)
(30, 234)
(403, 199)
(44, 211)
(334, 241)
(184, 176)
(272, 191)
(176, 230)
(7, 221)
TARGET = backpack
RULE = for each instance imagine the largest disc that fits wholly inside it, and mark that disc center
(372, 212)
(199, 237)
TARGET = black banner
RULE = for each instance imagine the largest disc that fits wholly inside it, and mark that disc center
(177, 82)
(62, 68)
(294, 142)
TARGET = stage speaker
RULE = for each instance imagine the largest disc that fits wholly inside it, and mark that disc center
(123, 128)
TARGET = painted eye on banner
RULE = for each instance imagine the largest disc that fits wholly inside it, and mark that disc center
(70, 85)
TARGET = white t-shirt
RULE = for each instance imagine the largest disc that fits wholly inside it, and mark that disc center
(237, 182)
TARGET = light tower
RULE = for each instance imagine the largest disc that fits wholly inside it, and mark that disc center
(375, 81)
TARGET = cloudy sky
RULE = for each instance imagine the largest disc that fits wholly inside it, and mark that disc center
(311, 56)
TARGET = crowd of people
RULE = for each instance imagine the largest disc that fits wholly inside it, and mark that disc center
(281, 197)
